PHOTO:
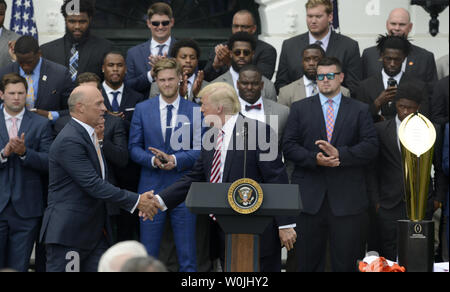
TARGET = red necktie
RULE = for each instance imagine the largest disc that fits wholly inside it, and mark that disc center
(216, 174)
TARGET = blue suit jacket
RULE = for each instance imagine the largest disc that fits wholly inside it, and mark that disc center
(76, 213)
(55, 86)
(20, 180)
(138, 67)
(145, 131)
(258, 169)
(355, 138)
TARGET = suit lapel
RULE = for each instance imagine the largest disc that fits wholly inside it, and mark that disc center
(392, 141)
(25, 124)
(3, 130)
(106, 100)
(156, 121)
(340, 119)
(232, 149)
(145, 52)
(43, 84)
(316, 110)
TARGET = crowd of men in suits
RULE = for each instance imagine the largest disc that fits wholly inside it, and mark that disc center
(87, 140)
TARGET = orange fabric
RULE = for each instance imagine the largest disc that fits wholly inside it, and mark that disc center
(380, 265)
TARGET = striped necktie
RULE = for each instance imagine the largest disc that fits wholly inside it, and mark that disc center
(73, 62)
(30, 102)
(330, 120)
(161, 48)
(216, 174)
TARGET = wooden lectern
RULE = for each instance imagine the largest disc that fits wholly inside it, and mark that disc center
(242, 231)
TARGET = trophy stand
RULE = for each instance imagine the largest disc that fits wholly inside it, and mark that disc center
(416, 236)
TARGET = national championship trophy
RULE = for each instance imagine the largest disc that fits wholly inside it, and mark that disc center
(417, 136)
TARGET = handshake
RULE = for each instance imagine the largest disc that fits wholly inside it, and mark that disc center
(148, 205)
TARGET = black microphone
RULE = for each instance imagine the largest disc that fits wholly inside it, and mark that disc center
(245, 148)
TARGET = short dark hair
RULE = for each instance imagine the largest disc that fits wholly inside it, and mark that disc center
(245, 11)
(113, 53)
(251, 67)
(86, 6)
(242, 36)
(160, 8)
(26, 44)
(330, 61)
(393, 42)
(185, 43)
(3, 2)
(12, 78)
(88, 77)
(315, 47)
(411, 91)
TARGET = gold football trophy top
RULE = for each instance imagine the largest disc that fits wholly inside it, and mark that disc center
(417, 136)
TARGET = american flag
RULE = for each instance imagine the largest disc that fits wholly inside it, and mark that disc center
(22, 18)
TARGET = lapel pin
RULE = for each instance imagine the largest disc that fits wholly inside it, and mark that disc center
(411, 63)
(44, 78)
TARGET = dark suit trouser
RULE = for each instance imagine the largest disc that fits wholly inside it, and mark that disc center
(346, 234)
(387, 226)
(17, 237)
(70, 259)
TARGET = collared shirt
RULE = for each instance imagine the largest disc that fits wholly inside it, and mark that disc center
(109, 92)
(154, 50)
(398, 123)
(254, 113)
(191, 81)
(35, 76)
(235, 76)
(163, 117)
(386, 78)
(309, 86)
(8, 122)
(91, 132)
(336, 103)
(324, 41)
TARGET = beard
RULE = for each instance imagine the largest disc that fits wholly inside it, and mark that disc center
(80, 40)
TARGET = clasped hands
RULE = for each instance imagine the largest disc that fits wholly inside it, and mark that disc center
(148, 206)
(15, 145)
(331, 159)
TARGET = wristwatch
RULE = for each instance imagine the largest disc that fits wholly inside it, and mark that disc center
(50, 116)
(2, 154)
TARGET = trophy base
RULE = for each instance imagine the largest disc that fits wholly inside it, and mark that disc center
(416, 245)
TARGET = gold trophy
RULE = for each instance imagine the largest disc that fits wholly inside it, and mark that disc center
(417, 137)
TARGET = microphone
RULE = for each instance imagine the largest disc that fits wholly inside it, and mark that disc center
(245, 148)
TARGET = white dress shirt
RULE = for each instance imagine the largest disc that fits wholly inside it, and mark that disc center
(386, 78)
(309, 86)
(254, 113)
(154, 50)
(9, 124)
(235, 76)
(109, 92)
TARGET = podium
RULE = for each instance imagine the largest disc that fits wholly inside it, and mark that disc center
(242, 232)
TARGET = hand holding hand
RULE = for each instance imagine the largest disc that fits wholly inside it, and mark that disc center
(329, 149)
(323, 160)
(148, 206)
(18, 145)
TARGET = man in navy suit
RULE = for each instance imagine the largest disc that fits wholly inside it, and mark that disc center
(330, 139)
(25, 140)
(165, 155)
(141, 58)
(49, 84)
(76, 227)
(221, 107)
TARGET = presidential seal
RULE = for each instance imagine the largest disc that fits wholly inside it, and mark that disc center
(245, 196)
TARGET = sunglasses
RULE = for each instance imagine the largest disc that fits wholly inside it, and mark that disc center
(246, 53)
(158, 23)
(330, 76)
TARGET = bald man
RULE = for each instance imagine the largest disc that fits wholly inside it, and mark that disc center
(420, 63)
(75, 228)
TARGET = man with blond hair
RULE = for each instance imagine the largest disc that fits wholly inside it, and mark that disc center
(420, 63)
(319, 16)
(221, 161)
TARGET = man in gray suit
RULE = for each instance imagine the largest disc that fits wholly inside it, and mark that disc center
(7, 38)
(242, 47)
(307, 85)
(187, 54)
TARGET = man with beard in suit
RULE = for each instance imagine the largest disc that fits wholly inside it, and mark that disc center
(78, 49)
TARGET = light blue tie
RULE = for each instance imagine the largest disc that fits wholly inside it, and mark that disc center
(73, 62)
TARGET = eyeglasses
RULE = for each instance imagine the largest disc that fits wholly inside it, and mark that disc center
(158, 23)
(330, 76)
(238, 52)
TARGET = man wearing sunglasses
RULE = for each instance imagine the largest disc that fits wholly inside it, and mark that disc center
(242, 47)
(265, 56)
(141, 58)
(330, 138)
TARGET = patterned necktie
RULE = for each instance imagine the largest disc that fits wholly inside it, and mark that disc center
(73, 62)
(30, 93)
(168, 126)
(99, 154)
(216, 175)
(161, 48)
(115, 102)
(254, 106)
(13, 131)
(314, 89)
(330, 120)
